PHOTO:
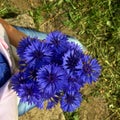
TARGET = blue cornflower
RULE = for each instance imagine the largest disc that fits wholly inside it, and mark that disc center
(74, 83)
(75, 46)
(70, 101)
(31, 73)
(52, 102)
(29, 92)
(39, 103)
(72, 61)
(23, 44)
(38, 54)
(51, 79)
(57, 59)
(77, 49)
(17, 79)
(90, 70)
(58, 41)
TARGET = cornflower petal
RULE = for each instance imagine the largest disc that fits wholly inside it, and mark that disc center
(57, 59)
(18, 79)
(29, 92)
(70, 101)
(26, 89)
(39, 103)
(31, 73)
(74, 83)
(23, 44)
(51, 79)
(90, 70)
(72, 61)
(52, 102)
(38, 54)
(77, 49)
(58, 41)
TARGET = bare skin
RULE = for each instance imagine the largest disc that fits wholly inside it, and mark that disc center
(14, 35)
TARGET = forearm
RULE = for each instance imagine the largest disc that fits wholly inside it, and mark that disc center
(14, 35)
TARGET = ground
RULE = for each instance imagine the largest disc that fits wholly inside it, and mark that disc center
(93, 107)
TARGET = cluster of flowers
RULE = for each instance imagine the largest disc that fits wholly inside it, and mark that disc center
(53, 70)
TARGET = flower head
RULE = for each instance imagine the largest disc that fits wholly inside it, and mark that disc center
(76, 48)
(58, 41)
(74, 83)
(72, 61)
(29, 92)
(38, 54)
(52, 102)
(51, 79)
(70, 101)
(23, 44)
(18, 79)
(57, 59)
(39, 103)
(90, 70)
(31, 73)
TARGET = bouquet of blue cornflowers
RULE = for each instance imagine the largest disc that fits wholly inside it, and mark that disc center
(53, 70)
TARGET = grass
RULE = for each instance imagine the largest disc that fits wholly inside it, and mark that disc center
(97, 25)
